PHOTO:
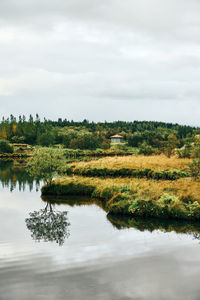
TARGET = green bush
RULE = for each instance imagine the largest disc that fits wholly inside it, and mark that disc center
(46, 138)
(168, 199)
(184, 152)
(145, 149)
(146, 208)
(119, 204)
(108, 192)
(5, 147)
(194, 210)
(194, 168)
(195, 153)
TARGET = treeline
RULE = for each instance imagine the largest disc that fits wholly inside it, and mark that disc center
(147, 136)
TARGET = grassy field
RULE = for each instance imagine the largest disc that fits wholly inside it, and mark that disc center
(150, 167)
(156, 162)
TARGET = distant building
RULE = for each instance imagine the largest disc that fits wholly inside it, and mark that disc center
(115, 139)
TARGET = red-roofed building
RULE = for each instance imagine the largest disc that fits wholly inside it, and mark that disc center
(116, 139)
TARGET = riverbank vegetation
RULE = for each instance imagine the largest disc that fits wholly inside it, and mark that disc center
(139, 197)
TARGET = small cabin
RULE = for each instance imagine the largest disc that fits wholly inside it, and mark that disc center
(115, 139)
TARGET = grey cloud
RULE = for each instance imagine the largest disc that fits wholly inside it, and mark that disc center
(155, 15)
(100, 54)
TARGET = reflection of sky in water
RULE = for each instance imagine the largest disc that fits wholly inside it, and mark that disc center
(97, 261)
(92, 236)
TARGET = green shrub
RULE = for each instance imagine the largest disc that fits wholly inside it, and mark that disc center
(126, 189)
(184, 152)
(145, 149)
(178, 210)
(146, 208)
(168, 198)
(108, 192)
(5, 147)
(46, 138)
(119, 205)
(194, 210)
(195, 153)
(194, 168)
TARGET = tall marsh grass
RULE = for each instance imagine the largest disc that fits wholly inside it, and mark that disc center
(155, 162)
(153, 167)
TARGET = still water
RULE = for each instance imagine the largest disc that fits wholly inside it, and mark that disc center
(63, 250)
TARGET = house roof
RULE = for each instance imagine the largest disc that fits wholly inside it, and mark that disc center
(117, 136)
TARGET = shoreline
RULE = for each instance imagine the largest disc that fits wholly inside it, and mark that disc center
(138, 197)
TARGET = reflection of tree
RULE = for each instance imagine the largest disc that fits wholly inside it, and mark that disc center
(196, 236)
(13, 176)
(48, 225)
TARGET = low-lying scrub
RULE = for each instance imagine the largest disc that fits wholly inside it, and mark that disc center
(138, 197)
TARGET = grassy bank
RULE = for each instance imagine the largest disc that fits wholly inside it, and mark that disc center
(155, 162)
(151, 167)
(139, 197)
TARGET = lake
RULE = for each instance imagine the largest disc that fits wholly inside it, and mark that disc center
(70, 249)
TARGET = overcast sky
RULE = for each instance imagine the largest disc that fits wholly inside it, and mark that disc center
(101, 59)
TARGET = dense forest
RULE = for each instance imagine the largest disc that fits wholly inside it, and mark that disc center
(149, 136)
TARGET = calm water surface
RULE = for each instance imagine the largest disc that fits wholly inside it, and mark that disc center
(86, 255)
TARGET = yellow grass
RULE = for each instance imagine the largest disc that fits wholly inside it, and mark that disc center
(156, 162)
(183, 187)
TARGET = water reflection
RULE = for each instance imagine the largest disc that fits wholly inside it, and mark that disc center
(13, 174)
(124, 222)
(48, 225)
(100, 260)
(164, 225)
(73, 201)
